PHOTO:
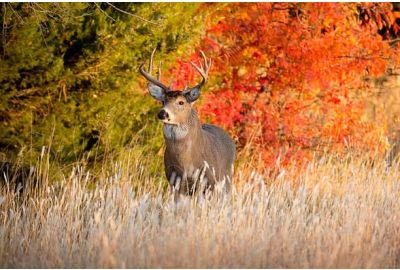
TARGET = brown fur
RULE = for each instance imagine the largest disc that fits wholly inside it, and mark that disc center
(197, 156)
(205, 150)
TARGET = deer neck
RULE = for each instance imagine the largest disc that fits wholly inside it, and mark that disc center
(189, 130)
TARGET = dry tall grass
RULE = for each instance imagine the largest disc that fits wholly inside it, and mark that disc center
(343, 213)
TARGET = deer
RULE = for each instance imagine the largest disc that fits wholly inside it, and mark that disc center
(198, 157)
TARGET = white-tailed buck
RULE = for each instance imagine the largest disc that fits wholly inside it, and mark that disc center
(197, 156)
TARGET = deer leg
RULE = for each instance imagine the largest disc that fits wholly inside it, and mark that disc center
(172, 178)
(227, 184)
(203, 185)
(177, 185)
(195, 179)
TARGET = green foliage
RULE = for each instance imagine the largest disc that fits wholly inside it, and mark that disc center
(68, 74)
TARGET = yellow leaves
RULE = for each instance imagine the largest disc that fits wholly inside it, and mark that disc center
(242, 71)
(261, 72)
(243, 15)
(267, 63)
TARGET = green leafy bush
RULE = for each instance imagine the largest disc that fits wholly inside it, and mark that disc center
(68, 74)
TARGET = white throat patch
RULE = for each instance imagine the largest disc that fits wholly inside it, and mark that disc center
(175, 132)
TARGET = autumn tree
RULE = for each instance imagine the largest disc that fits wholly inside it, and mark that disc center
(289, 77)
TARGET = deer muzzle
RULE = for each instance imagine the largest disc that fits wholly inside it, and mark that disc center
(162, 115)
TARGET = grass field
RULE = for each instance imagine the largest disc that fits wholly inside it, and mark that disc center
(340, 212)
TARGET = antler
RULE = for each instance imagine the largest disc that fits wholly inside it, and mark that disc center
(203, 71)
(148, 75)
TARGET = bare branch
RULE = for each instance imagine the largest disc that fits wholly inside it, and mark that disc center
(105, 13)
(393, 41)
(15, 12)
(4, 28)
(363, 57)
(133, 15)
(39, 24)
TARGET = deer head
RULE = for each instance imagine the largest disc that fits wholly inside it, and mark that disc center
(177, 104)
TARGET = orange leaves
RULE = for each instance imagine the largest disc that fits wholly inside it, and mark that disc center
(225, 113)
(386, 19)
(286, 75)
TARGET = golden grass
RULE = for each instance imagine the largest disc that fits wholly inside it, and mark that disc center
(343, 212)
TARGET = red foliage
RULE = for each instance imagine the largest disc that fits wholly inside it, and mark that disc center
(289, 76)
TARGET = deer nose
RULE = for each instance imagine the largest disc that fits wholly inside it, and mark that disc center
(162, 114)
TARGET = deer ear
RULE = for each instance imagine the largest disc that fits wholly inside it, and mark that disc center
(156, 92)
(192, 94)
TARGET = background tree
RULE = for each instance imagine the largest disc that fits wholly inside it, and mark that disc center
(291, 76)
(68, 73)
(288, 79)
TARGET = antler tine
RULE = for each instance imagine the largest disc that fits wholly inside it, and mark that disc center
(203, 70)
(200, 70)
(204, 58)
(159, 71)
(151, 60)
(149, 77)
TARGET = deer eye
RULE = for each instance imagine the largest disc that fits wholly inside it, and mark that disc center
(181, 102)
